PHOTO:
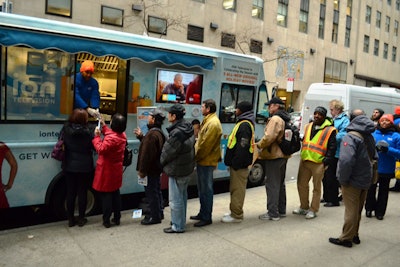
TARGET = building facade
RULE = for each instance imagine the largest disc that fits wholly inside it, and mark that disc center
(301, 42)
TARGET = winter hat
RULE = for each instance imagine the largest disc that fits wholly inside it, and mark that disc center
(275, 100)
(321, 110)
(397, 110)
(244, 106)
(87, 65)
(388, 117)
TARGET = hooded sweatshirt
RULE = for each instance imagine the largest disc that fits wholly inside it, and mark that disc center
(354, 158)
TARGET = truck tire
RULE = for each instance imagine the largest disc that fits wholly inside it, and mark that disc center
(256, 175)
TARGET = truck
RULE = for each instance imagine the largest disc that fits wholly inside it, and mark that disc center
(353, 97)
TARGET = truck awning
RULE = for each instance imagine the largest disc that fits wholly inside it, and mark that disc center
(100, 47)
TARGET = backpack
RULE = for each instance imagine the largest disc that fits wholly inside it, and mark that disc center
(291, 141)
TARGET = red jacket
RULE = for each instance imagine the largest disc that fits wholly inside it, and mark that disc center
(109, 169)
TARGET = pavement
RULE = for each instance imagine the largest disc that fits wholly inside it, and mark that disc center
(292, 241)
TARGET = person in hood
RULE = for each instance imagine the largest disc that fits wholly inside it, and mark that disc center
(78, 164)
(239, 155)
(388, 145)
(177, 159)
(354, 172)
(274, 161)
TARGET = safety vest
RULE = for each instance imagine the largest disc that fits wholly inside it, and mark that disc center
(232, 136)
(315, 149)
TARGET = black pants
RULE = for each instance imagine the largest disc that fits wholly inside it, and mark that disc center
(154, 197)
(331, 184)
(379, 203)
(77, 185)
(111, 202)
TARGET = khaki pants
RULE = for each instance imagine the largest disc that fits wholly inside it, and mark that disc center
(308, 169)
(353, 199)
(237, 189)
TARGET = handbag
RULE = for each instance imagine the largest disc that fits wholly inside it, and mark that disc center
(397, 171)
(58, 152)
(128, 155)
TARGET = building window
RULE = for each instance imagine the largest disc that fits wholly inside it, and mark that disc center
(368, 15)
(229, 4)
(385, 50)
(112, 16)
(387, 24)
(376, 47)
(228, 40)
(349, 7)
(347, 38)
(397, 4)
(256, 46)
(336, 5)
(281, 18)
(303, 21)
(157, 25)
(394, 53)
(335, 71)
(335, 28)
(258, 9)
(396, 28)
(389, 2)
(378, 19)
(59, 7)
(195, 33)
(321, 26)
(366, 44)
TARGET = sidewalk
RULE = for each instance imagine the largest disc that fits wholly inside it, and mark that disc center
(292, 241)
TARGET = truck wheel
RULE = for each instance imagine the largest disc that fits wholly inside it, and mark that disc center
(58, 201)
(256, 175)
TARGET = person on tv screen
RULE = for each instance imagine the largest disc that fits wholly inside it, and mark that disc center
(176, 88)
(193, 92)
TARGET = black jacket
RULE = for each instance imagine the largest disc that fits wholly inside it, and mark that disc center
(239, 157)
(177, 156)
(78, 148)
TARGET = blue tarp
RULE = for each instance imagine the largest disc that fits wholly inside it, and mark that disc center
(73, 44)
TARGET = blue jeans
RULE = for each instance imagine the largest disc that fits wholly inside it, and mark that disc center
(206, 191)
(178, 201)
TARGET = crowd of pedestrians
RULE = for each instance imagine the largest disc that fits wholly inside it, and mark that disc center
(337, 155)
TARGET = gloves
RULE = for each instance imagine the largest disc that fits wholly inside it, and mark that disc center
(382, 146)
(94, 113)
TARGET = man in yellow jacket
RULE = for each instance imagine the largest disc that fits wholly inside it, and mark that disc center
(317, 153)
(208, 154)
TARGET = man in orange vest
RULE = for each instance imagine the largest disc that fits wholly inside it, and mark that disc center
(317, 152)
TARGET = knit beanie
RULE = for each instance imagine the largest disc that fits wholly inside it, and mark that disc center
(388, 117)
(321, 110)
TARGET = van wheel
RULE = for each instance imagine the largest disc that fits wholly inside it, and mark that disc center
(256, 175)
(58, 204)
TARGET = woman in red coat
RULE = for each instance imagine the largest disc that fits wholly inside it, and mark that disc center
(109, 169)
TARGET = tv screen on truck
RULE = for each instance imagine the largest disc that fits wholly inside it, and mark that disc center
(179, 87)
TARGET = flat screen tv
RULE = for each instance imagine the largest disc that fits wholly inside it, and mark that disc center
(179, 87)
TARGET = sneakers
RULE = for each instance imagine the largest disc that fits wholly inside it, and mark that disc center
(229, 219)
(266, 216)
(311, 215)
(300, 211)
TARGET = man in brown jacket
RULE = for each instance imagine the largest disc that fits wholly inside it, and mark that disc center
(274, 161)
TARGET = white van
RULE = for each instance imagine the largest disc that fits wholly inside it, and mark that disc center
(353, 96)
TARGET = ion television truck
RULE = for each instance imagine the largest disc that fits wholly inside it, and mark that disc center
(39, 61)
(353, 97)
